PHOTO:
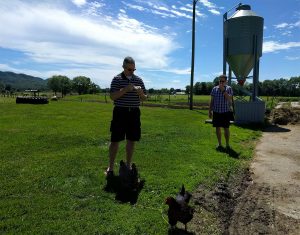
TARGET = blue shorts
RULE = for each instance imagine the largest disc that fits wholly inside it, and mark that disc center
(125, 124)
(221, 119)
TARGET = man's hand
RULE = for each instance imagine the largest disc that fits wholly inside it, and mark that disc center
(140, 93)
(222, 87)
(138, 90)
(210, 114)
(128, 88)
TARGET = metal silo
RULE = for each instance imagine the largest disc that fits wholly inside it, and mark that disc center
(242, 48)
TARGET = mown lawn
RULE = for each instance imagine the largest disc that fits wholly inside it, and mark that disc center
(53, 157)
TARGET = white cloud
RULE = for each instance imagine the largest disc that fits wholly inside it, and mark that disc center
(212, 8)
(292, 58)
(93, 8)
(287, 33)
(177, 71)
(214, 11)
(286, 28)
(165, 11)
(79, 3)
(5, 67)
(136, 7)
(48, 34)
(207, 4)
(272, 46)
(287, 25)
(281, 26)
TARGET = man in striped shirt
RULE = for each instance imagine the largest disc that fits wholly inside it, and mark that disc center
(127, 91)
(219, 109)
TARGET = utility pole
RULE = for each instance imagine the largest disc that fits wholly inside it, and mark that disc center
(193, 54)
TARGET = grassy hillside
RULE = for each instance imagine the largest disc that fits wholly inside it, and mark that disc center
(53, 157)
(22, 81)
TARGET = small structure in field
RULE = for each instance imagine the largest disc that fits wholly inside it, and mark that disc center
(32, 98)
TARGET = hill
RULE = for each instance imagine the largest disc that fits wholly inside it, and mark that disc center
(22, 81)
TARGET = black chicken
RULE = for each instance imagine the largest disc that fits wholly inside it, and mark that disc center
(130, 184)
(183, 197)
(179, 212)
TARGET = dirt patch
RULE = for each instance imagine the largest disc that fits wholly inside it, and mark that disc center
(284, 115)
(216, 205)
(264, 199)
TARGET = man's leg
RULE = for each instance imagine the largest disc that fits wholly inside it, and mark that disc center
(129, 152)
(227, 135)
(113, 150)
(219, 136)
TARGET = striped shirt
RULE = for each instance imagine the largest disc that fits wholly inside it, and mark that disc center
(130, 99)
(221, 104)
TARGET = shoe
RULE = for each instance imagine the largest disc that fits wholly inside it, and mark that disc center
(109, 173)
(219, 148)
(228, 149)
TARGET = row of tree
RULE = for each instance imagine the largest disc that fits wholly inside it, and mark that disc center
(277, 87)
(80, 84)
(84, 85)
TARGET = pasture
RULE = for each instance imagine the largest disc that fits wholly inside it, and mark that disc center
(53, 157)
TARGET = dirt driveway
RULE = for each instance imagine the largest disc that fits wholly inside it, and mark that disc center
(271, 204)
(263, 199)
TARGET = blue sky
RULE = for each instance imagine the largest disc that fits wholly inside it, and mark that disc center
(90, 38)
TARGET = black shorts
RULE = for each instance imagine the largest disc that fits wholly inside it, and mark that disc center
(126, 123)
(221, 119)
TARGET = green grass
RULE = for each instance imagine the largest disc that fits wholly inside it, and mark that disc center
(53, 157)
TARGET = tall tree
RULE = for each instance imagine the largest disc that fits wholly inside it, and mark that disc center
(81, 84)
(65, 85)
(197, 88)
(54, 83)
(59, 83)
(94, 88)
(203, 88)
(2, 86)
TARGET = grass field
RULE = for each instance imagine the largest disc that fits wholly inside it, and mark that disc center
(199, 101)
(152, 99)
(53, 157)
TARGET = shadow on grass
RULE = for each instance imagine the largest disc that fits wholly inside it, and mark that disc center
(230, 151)
(123, 193)
(179, 231)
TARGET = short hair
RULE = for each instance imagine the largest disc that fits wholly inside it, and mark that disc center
(128, 60)
(223, 76)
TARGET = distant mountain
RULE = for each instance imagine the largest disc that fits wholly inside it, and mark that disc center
(22, 82)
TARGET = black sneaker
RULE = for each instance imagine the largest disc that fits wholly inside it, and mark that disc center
(109, 174)
(228, 149)
(219, 148)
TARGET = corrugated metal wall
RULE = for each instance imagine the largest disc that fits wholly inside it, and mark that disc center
(246, 112)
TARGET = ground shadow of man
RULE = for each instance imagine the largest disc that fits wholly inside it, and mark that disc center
(127, 185)
(230, 151)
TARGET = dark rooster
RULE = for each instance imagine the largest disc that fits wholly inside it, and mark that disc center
(183, 197)
(130, 184)
(179, 210)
